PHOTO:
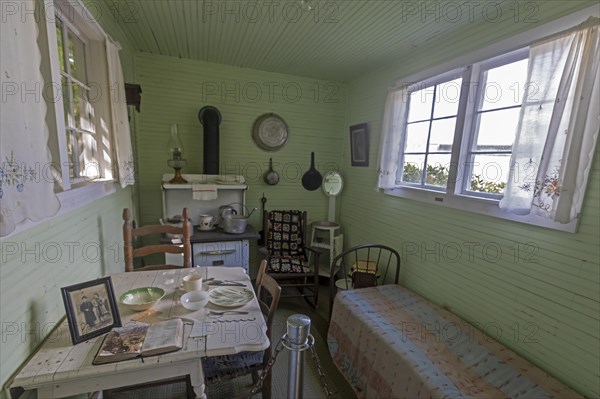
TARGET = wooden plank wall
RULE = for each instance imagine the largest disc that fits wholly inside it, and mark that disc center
(174, 90)
(534, 289)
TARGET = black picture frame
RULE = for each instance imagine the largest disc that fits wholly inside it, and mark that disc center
(359, 145)
(91, 309)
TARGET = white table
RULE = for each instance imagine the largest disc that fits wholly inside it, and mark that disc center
(60, 369)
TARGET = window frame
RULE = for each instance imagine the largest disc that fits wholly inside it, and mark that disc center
(436, 80)
(454, 196)
(469, 128)
(75, 17)
(69, 29)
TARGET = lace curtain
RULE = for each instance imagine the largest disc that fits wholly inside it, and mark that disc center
(394, 118)
(558, 127)
(120, 120)
(26, 180)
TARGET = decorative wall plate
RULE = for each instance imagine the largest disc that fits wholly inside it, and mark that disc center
(270, 132)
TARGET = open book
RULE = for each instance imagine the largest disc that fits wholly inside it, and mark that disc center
(141, 340)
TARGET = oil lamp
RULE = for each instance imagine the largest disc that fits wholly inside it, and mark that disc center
(177, 162)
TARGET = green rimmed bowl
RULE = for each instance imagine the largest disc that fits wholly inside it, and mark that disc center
(141, 298)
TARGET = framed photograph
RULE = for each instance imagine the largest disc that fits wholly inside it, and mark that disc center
(91, 309)
(359, 145)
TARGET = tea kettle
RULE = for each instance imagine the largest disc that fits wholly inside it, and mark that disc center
(225, 210)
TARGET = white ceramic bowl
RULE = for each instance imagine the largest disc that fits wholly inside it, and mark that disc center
(194, 300)
(142, 298)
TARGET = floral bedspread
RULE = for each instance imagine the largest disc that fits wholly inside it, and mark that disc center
(391, 343)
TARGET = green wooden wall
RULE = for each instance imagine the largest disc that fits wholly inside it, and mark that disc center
(534, 289)
(174, 90)
(77, 246)
(70, 248)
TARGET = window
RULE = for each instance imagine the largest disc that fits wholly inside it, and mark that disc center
(508, 135)
(492, 95)
(78, 112)
(82, 150)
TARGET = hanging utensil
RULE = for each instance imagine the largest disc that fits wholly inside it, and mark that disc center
(271, 177)
(312, 179)
(261, 240)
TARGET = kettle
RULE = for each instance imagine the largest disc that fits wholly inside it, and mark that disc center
(226, 210)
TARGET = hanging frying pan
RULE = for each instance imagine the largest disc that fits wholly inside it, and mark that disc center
(271, 177)
(312, 179)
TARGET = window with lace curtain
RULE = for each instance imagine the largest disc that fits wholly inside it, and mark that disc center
(512, 135)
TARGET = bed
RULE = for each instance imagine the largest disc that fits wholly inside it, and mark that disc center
(389, 342)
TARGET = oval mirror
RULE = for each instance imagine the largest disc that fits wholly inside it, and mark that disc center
(332, 183)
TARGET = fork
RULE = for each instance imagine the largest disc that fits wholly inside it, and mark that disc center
(215, 313)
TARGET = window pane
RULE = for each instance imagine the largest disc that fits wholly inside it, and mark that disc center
(446, 98)
(437, 170)
(497, 130)
(77, 58)
(489, 173)
(416, 137)
(413, 168)
(82, 110)
(504, 85)
(87, 156)
(420, 104)
(442, 135)
(59, 39)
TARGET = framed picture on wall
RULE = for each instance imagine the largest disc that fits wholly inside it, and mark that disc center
(359, 145)
(91, 309)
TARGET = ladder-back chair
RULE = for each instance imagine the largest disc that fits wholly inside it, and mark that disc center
(130, 234)
(219, 369)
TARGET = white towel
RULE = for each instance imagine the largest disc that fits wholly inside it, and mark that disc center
(204, 192)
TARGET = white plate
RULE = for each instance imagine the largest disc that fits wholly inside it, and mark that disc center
(230, 297)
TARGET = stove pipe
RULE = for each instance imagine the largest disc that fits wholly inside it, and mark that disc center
(210, 118)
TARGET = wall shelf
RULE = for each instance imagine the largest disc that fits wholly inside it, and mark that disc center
(223, 182)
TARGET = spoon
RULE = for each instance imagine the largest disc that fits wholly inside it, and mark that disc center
(253, 209)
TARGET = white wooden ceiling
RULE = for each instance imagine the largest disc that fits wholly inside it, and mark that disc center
(335, 39)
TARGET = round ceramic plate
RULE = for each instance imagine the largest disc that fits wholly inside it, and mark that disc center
(270, 132)
(230, 297)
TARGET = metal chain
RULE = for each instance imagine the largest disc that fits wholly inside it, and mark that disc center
(328, 391)
(265, 371)
(322, 377)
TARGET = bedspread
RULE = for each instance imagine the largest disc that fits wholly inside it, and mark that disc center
(391, 343)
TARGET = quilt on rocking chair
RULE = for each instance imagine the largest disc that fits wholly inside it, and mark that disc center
(285, 242)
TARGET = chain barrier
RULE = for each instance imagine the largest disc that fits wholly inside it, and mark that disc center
(284, 343)
(322, 377)
(265, 371)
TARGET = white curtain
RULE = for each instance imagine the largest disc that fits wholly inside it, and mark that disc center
(391, 141)
(120, 121)
(26, 180)
(558, 126)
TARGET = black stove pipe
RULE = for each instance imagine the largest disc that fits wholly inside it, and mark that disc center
(210, 118)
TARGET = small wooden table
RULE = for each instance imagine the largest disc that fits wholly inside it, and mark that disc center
(60, 369)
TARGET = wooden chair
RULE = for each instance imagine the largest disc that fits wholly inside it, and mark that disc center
(285, 252)
(218, 369)
(363, 266)
(130, 234)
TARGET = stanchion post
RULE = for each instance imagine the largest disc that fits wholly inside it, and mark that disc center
(298, 331)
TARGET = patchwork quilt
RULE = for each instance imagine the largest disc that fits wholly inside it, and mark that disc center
(391, 343)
